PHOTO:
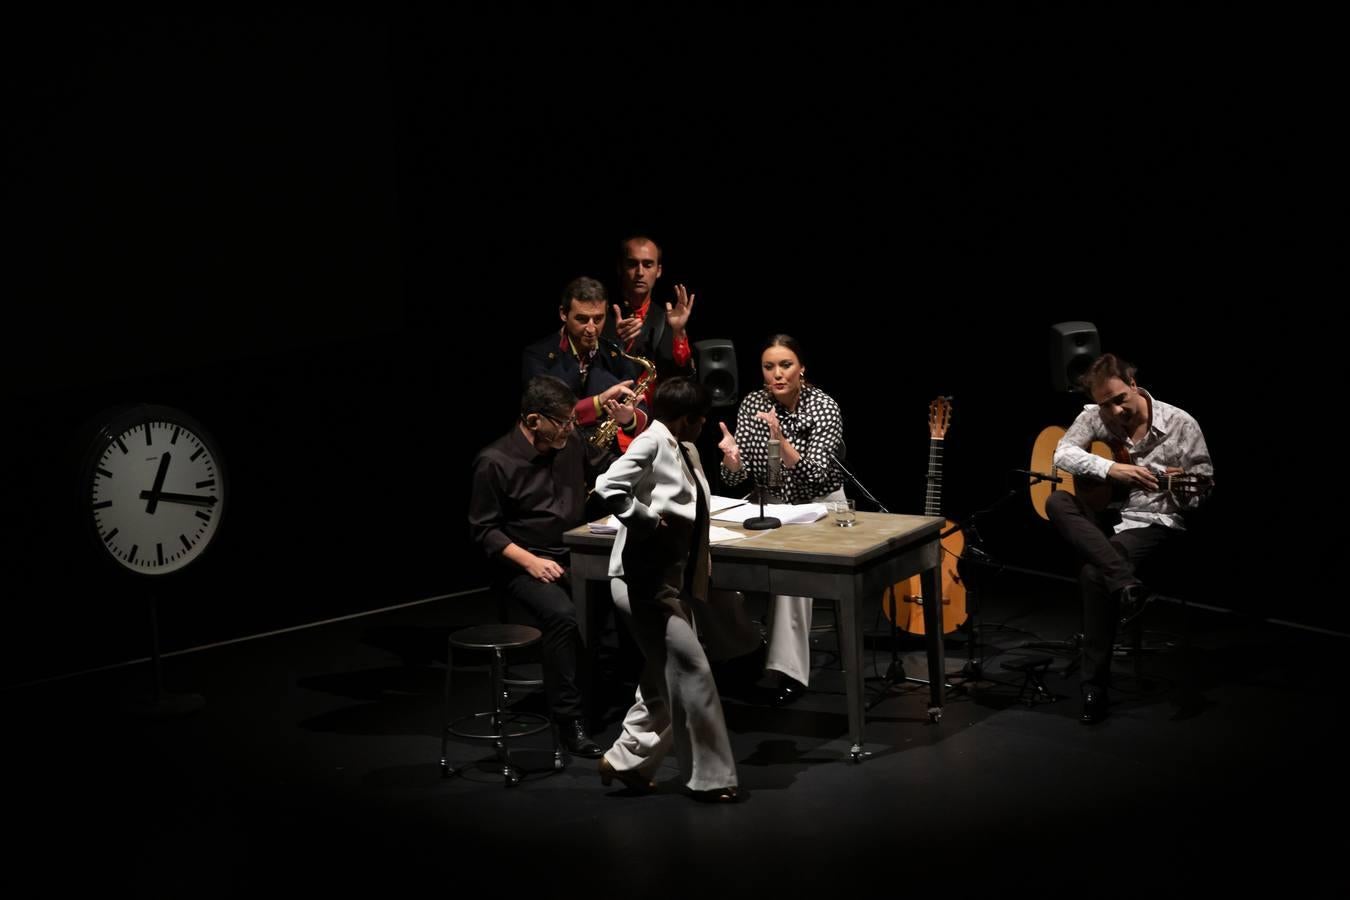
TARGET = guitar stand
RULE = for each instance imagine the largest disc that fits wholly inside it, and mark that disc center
(895, 672)
(1071, 646)
(972, 673)
(1033, 669)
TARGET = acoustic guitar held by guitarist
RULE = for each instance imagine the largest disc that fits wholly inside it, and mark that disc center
(1159, 467)
(1099, 495)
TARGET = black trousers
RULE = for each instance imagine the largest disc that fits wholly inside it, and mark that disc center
(1110, 562)
(550, 607)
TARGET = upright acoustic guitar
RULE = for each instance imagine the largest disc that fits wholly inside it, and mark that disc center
(903, 601)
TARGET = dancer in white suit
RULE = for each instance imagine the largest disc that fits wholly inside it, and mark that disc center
(659, 569)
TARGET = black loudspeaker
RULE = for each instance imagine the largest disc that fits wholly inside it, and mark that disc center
(717, 370)
(1073, 347)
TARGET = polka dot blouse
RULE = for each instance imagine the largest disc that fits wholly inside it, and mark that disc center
(816, 430)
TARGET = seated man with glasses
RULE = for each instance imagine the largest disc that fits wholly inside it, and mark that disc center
(530, 486)
(593, 367)
(561, 423)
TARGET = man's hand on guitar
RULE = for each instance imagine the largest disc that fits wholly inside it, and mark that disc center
(1187, 487)
(1132, 476)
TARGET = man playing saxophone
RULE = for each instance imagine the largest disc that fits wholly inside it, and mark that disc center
(595, 368)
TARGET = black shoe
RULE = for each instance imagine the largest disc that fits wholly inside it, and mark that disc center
(1133, 599)
(790, 690)
(573, 734)
(1094, 705)
(718, 795)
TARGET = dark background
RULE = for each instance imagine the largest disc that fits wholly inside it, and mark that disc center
(327, 237)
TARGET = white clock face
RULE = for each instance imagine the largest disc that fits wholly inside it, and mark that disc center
(157, 496)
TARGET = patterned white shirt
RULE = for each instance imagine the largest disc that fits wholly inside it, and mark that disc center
(1173, 439)
(815, 429)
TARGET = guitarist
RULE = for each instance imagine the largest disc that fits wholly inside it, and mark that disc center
(1150, 440)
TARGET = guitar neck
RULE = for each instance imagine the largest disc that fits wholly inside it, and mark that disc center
(932, 498)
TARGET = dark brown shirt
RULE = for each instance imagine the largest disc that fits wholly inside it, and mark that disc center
(522, 496)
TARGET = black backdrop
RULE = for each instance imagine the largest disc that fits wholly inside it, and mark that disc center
(327, 236)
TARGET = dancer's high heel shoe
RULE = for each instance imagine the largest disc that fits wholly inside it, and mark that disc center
(718, 795)
(633, 780)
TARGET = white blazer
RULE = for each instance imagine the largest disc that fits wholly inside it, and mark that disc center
(647, 483)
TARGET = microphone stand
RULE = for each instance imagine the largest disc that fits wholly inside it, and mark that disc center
(774, 480)
(977, 555)
(761, 522)
(858, 484)
(1074, 643)
(895, 672)
(974, 553)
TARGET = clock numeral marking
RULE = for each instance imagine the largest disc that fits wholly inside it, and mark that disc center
(104, 472)
(186, 545)
(205, 517)
(210, 482)
(148, 439)
(121, 446)
(200, 451)
(159, 553)
(103, 505)
(107, 538)
(131, 557)
(173, 438)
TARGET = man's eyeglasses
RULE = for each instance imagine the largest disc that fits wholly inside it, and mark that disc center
(569, 422)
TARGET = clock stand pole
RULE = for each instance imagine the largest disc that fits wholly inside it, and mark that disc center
(161, 704)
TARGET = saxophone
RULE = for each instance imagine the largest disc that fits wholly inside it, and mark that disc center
(604, 435)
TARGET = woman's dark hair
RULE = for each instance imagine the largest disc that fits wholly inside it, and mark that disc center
(676, 397)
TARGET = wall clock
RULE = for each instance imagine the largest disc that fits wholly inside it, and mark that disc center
(156, 490)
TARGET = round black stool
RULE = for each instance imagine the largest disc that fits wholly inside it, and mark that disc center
(505, 724)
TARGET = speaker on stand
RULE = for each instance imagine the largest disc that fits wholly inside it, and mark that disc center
(1073, 347)
(716, 358)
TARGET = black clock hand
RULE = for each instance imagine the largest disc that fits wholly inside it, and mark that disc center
(152, 496)
(188, 499)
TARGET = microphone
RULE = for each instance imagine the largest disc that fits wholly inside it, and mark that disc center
(1039, 476)
(775, 479)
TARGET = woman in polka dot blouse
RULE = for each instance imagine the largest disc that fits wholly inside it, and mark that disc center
(806, 422)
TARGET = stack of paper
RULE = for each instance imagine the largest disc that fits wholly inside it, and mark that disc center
(718, 535)
(609, 525)
(717, 504)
